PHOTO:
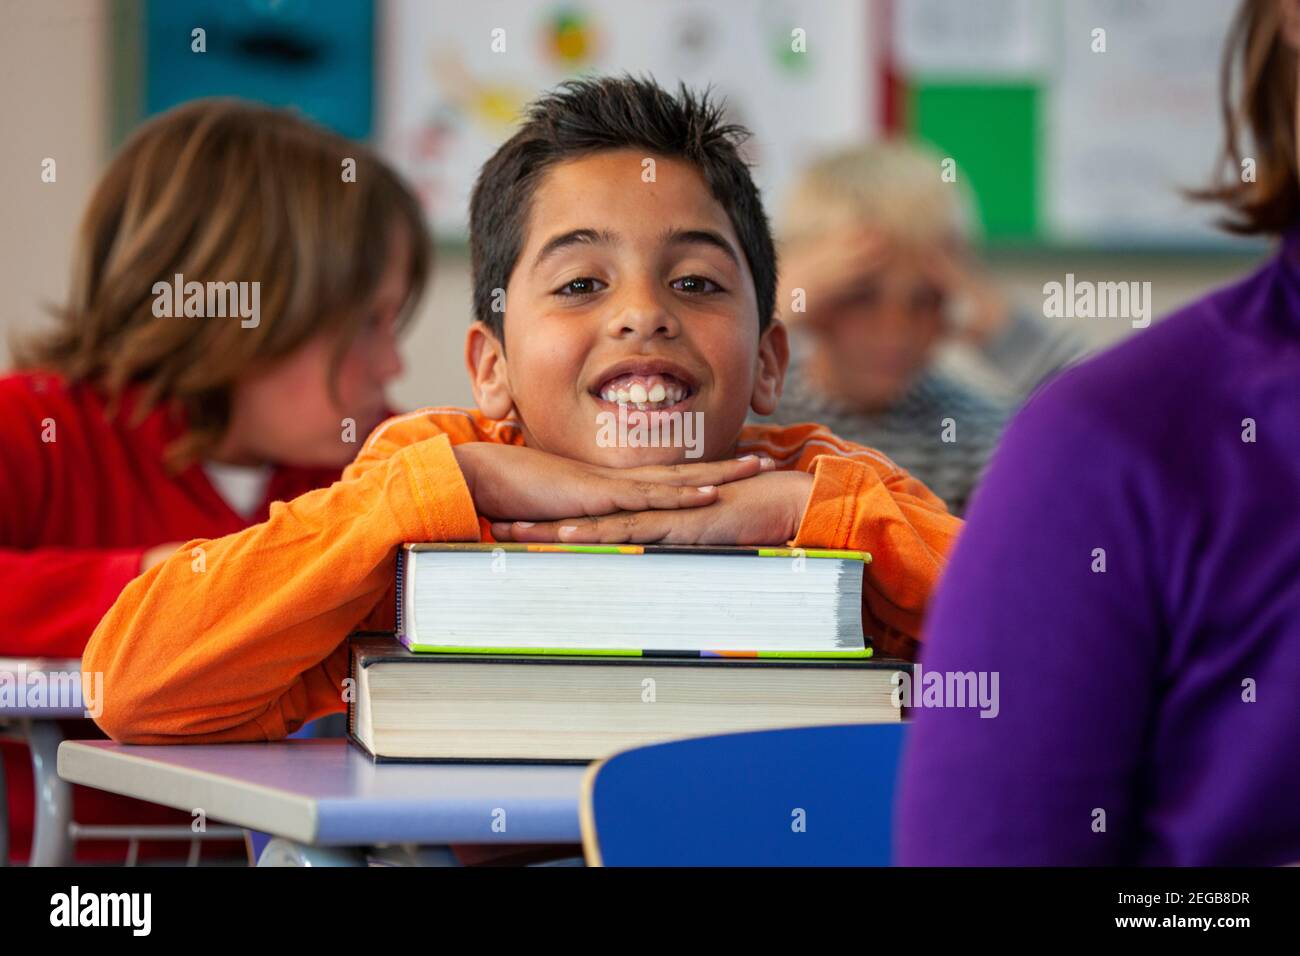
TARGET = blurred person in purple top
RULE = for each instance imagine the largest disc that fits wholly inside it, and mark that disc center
(1130, 570)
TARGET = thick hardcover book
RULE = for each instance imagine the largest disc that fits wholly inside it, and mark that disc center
(631, 600)
(549, 708)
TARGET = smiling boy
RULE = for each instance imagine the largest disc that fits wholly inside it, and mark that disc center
(621, 259)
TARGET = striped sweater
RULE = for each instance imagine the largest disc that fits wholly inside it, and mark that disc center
(942, 431)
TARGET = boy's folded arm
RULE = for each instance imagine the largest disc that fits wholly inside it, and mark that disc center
(861, 506)
(243, 637)
(86, 582)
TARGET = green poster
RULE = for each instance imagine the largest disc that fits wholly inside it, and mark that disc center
(991, 130)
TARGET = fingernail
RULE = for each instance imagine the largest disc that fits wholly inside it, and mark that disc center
(769, 464)
(705, 489)
(568, 528)
(746, 458)
(524, 524)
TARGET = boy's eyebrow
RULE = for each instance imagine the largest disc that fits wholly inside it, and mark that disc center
(571, 238)
(676, 237)
(671, 237)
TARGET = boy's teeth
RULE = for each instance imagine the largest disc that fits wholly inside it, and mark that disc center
(645, 391)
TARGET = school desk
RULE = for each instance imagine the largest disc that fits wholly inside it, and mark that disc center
(35, 694)
(29, 712)
(328, 804)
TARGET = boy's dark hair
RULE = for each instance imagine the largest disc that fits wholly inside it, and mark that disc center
(592, 115)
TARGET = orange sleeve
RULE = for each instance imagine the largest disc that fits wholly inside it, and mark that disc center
(244, 637)
(862, 501)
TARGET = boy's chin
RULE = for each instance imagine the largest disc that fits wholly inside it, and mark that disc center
(640, 457)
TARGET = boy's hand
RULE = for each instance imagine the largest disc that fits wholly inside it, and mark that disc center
(982, 309)
(763, 510)
(514, 483)
(824, 268)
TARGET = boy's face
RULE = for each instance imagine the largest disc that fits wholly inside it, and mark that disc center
(288, 413)
(876, 333)
(630, 293)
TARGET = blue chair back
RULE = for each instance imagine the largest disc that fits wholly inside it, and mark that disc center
(814, 796)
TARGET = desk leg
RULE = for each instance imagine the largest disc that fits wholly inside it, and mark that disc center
(50, 841)
(281, 852)
(411, 854)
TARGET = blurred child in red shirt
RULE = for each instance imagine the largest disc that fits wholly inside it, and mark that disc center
(145, 419)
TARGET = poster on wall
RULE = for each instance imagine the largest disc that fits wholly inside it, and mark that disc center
(986, 41)
(1132, 120)
(311, 55)
(456, 76)
(1077, 122)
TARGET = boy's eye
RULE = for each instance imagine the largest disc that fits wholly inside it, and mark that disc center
(583, 286)
(927, 300)
(696, 285)
(864, 295)
(372, 324)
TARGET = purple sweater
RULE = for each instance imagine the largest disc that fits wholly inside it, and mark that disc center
(1159, 699)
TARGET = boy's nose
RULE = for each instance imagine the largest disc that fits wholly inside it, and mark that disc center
(388, 363)
(646, 317)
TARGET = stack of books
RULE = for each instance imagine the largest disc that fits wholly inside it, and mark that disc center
(568, 653)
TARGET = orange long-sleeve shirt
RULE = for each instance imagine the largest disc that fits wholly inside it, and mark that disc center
(247, 638)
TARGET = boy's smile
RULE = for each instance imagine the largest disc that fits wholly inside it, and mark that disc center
(628, 293)
(656, 385)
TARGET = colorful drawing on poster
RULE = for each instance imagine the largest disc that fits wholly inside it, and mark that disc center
(570, 38)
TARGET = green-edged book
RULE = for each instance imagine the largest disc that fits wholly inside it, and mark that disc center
(539, 708)
(631, 601)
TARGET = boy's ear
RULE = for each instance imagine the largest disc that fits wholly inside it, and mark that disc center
(486, 361)
(773, 357)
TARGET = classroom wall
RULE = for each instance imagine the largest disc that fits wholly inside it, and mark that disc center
(55, 100)
(53, 61)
